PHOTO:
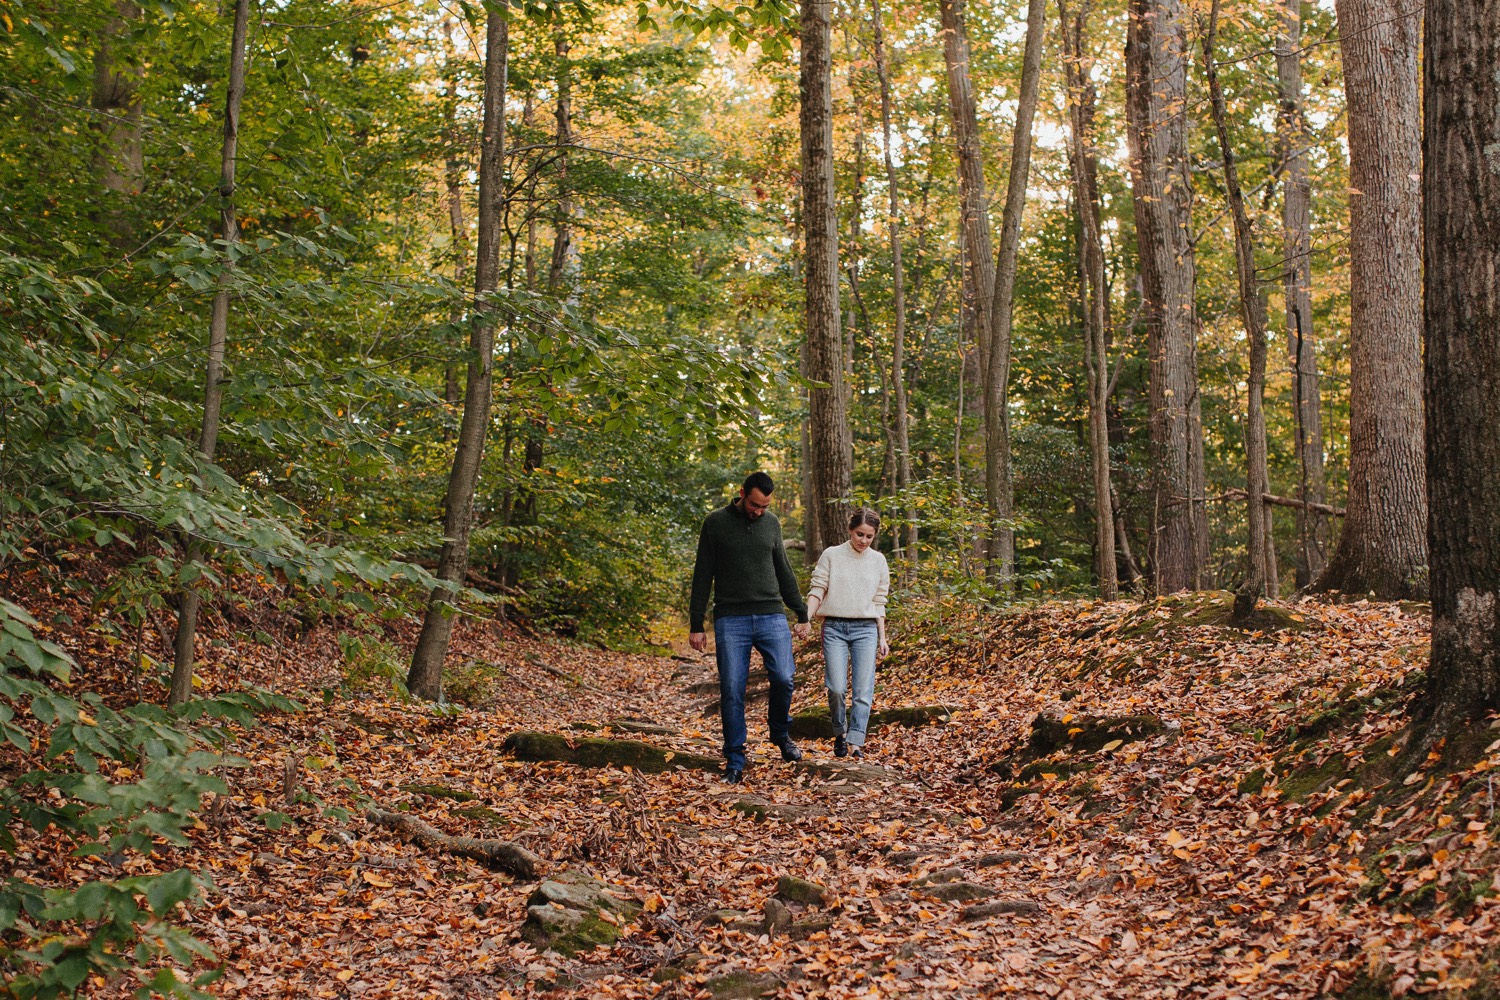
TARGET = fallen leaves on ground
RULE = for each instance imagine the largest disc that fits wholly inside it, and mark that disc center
(1240, 852)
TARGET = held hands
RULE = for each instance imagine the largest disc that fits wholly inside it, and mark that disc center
(698, 640)
(801, 630)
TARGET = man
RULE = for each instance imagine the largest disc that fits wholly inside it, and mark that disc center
(742, 559)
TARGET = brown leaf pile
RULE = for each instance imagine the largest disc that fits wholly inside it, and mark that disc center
(1250, 846)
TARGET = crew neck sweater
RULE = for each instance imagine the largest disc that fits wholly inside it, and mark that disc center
(743, 562)
(850, 584)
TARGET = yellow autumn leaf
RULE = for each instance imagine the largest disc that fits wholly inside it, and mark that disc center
(315, 836)
(1112, 745)
(378, 881)
(669, 756)
(346, 975)
(1175, 839)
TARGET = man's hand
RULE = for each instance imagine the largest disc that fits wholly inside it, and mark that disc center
(698, 640)
(801, 630)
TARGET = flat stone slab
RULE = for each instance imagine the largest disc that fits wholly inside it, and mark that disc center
(959, 892)
(1000, 907)
(744, 985)
(759, 808)
(599, 751)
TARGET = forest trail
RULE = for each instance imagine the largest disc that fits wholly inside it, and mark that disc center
(1203, 843)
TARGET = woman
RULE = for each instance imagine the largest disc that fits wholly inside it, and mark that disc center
(849, 587)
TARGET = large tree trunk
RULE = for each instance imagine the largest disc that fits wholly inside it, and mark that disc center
(828, 424)
(1461, 216)
(901, 416)
(119, 161)
(1296, 228)
(1161, 183)
(425, 680)
(218, 338)
(1383, 548)
(999, 486)
(1260, 570)
(1084, 160)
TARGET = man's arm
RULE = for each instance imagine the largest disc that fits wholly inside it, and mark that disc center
(791, 594)
(703, 581)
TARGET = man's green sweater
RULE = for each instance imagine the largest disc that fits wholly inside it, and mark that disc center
(744, 563)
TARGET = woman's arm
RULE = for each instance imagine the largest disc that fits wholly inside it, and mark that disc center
(883, 648)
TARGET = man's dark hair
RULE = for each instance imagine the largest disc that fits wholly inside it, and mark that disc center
(759, 481)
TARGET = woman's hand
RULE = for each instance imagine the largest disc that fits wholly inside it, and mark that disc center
(884, 649)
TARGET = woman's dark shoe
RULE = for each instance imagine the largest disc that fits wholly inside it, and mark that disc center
(856, 752)
(840, 747)
(789, 752)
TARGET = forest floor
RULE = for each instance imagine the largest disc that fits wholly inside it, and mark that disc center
(1115, 801)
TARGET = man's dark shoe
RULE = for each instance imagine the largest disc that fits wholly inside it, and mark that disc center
(733, 775)
(789, 751)
(840, 747)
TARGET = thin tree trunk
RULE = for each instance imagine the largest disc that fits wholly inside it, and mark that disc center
(453, 170)
(999, 485)
(828, 430)
(218, 338)
(1296, 228)
(1161, 183)
(1084, 159)
(118, 159)
(1260, 570)
(1383, 547)
(1461, 215)
(425, 679)
(902, 420)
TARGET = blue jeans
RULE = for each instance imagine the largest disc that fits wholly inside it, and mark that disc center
(734, 637)
(849, 648)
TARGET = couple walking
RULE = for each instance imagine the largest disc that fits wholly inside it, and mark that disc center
(742, 560)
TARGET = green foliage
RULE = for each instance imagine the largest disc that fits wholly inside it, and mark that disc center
(105, 783)
(372, 664)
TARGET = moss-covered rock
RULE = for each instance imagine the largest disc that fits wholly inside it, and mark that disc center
(482, 814)
(744, 985)
(959, 892)
(800, 890)
(762, 809)
(573, 912)
(440, 792)
(816, 724)
(595, 751)
(1088, 734)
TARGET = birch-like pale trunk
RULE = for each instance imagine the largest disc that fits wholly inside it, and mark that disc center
(1084, 161)
(1260, 575)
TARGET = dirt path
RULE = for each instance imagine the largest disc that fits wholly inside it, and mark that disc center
(1213, 845)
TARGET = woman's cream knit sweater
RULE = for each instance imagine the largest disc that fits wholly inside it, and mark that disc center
(850, 584)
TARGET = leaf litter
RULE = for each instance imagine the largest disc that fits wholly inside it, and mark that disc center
(1249, 848)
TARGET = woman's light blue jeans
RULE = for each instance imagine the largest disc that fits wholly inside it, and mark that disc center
(849, 651)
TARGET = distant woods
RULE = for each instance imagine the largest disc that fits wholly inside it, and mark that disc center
(1120, 297)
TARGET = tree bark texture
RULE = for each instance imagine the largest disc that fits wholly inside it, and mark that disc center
(1083, 158)
(1383, 547)
(830, 442)
(1302, 353)
(425, 679)
(1260, 568)
(119, 161)
(1161, 184)
(999, 480)
(453, 171)
(218, 338)
(901, 443)
(1461, 214)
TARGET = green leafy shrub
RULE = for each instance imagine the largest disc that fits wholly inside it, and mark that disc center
(53, 937)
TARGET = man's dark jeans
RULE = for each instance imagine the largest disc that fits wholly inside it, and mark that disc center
(734, 637)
